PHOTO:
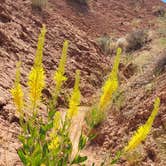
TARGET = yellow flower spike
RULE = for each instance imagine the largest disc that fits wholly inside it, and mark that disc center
(42, 165)
(36, 83)
(54, 143)
(142, 132)
(59, 77)
(57, 121)
(111, 84)
(17, 92)
(75, 98)
(40, 46)
(36, 80)
(53, 134)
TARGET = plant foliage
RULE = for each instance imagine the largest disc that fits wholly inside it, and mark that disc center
(46, 143)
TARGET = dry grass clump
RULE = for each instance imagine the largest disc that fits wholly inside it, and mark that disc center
(133, 41)
(104, 43)
(39, 3)
(159, 11)
(136, 40)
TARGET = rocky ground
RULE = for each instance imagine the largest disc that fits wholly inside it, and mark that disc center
(81, 25)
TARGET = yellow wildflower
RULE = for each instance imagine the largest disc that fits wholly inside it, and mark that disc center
(59, 77)
(75, 98)
(36, 84)
(54, 143)
(56, 124)
(36, 80)
(144, 130)
(53, 135)
(111, 83)
(17, 91)
(42, 165)
(40, 46)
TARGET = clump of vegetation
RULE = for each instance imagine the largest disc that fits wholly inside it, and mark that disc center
(46, 142)
(136, 40)
(39, 3)
(104, 43)
(159, 11)
(141, 133)
(97, 113)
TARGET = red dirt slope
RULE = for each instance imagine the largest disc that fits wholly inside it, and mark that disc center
(19, 28)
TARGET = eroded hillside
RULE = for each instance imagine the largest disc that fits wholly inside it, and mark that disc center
(81, 25)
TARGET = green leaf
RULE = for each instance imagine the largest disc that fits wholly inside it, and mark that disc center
(30, 141)
(78, 159)
(51, 113)
(42, 133)
(45, 149)
(22, 156)
(21, 138)
(49, 126)
(82, 142)
(37, 160)
(117, 157)
(37, 150)
(92, 136)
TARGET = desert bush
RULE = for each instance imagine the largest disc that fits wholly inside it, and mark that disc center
(159, 11)
(136, 40)
(39, 3)
(122, 43)
(109, 45)
(104, 43)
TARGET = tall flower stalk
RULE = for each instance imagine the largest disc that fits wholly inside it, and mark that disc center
(75, 98)
(59, 76)
(111, 84)
(17, 92)
(142, 132)
(36, 79)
